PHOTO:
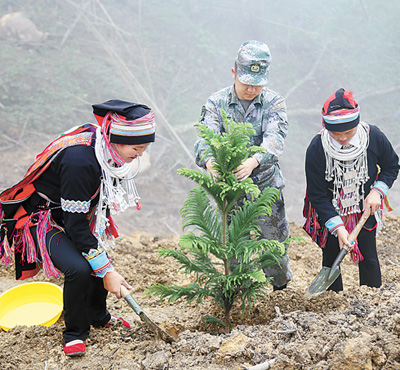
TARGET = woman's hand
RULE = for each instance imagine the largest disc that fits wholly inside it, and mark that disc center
(112, 282)
(372, 201)
(343, 238)
(246, 168)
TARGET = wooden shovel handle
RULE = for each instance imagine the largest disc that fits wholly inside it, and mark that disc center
(353, 235)
(124, 291)
(131, 301)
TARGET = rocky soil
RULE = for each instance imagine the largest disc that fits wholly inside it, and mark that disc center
(356, 329)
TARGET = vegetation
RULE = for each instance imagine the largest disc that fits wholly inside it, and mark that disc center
(228, 257)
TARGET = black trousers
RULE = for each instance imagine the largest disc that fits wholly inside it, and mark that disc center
(369, 269)
(84, 294)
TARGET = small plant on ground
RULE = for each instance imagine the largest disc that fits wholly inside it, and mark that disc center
(224, 251)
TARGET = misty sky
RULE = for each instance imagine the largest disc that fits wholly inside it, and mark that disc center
(172, 55)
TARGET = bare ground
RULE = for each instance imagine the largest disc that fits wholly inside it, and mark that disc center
(356, 329)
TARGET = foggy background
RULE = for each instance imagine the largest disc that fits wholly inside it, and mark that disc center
(58, 57)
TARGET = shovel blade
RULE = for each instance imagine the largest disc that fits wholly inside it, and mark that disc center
(323, 281)
(156, 329)
(150, 324)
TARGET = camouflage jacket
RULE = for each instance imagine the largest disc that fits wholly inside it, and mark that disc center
(267, 114)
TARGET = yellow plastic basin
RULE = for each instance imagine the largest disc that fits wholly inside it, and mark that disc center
(31, 304)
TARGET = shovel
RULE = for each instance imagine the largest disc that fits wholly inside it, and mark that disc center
(153, 326)
(328, 275)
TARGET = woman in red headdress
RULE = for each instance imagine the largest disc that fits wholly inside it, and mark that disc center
(59, 216)
(350, 166)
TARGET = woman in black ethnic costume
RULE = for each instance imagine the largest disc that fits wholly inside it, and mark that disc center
(350, 166)
(59, 216)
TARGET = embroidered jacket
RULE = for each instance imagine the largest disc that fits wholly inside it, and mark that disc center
(320, 192)
(267, 114)
(61, 190)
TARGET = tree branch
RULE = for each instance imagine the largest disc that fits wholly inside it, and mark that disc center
(309, 74)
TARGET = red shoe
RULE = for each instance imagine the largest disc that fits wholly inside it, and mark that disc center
(118, 319)
(75, 348)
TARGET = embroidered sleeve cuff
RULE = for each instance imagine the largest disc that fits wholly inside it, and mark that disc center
(333, 224)
(381, 187)
(99, 262)
(75, 206)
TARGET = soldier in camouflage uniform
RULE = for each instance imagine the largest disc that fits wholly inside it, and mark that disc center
(248, 100)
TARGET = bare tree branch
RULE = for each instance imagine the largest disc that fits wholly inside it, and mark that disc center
(133, 84)
(309, 74)
(374, 93)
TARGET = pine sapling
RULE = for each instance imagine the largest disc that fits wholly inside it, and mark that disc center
(224, 251)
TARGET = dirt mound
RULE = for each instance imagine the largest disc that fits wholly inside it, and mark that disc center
(356, 329)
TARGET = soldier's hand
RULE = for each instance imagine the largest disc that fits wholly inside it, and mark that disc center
(246, 168)
(209, 165)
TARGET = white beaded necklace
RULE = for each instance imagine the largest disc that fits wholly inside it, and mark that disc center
(348, 168)
(117, 190)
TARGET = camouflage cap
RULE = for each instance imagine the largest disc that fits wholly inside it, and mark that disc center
(253, 61)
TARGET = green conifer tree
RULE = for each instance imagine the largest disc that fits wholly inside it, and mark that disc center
(224, 251)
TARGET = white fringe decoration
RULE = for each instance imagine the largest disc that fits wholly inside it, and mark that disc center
(348, 168)
(117, 190)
